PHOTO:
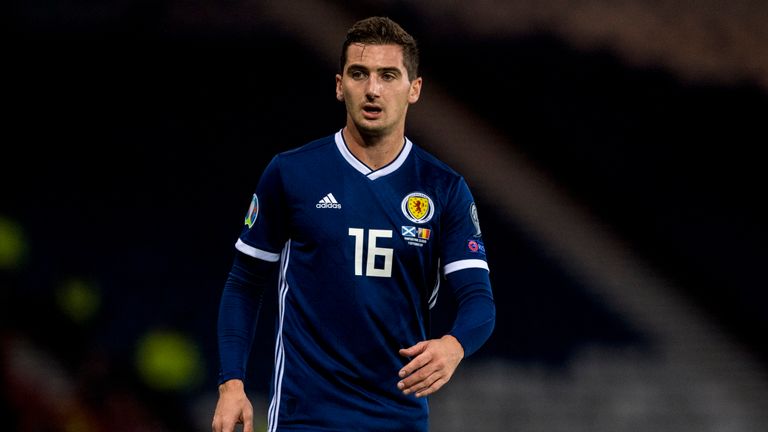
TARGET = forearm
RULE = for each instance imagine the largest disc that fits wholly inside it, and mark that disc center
(476, 311)
(238, 314)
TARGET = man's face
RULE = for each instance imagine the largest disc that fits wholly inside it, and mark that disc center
(375, 89)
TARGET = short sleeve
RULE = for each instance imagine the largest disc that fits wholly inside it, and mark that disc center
(462, 242)
(264, 231)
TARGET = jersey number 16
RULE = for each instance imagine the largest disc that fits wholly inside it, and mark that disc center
(373, 252)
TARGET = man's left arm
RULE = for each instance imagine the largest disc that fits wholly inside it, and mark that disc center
(434, 361)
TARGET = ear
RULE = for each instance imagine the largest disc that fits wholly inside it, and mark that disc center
(339, 92)
(415, 91)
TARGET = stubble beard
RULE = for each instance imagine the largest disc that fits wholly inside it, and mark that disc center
(371, 131)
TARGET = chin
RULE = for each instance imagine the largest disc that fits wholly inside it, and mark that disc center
(371, 129)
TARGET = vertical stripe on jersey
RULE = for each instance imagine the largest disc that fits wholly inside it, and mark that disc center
(436, 289)
(274, 406)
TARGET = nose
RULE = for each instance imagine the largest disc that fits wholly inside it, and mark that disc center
(373, 89)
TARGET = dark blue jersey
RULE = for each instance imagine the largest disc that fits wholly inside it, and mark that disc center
(361, 255)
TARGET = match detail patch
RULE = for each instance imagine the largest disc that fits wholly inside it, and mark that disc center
(416, 236)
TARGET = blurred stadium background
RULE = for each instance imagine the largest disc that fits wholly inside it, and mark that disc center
(614, 149)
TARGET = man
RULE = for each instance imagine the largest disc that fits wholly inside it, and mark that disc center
(362, 227)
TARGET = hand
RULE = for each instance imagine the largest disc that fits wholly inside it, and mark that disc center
(233, 408)
(432, 364)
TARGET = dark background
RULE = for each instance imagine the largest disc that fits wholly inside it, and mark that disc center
(133, 142)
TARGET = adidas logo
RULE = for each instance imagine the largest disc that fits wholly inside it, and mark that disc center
(328, 201)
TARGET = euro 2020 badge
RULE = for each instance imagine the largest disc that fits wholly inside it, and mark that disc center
(253, 212)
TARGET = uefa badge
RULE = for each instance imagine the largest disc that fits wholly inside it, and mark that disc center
(253, 212)
(418, 207)
(475, 219)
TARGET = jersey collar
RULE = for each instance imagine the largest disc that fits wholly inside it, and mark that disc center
(363, 168)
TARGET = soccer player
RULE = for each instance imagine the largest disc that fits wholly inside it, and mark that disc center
(362, 228)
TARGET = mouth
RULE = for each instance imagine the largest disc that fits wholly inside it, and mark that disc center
(371, 111)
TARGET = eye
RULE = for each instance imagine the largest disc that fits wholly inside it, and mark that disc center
(356, 74)
(389, 76)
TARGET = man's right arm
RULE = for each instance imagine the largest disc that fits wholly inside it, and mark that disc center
(238, 314)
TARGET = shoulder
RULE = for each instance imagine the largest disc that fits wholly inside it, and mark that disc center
(308, 150)
(428, 162)
(289, 163)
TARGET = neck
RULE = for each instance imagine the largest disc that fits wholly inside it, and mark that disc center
(374, 151)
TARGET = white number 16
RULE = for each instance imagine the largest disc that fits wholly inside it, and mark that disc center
(373, 252)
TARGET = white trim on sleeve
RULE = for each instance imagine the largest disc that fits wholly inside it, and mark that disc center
(465, 264)
(256, 253)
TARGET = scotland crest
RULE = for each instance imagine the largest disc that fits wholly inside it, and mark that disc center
(418, 207)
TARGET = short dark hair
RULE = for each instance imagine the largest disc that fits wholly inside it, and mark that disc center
(383, 31)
